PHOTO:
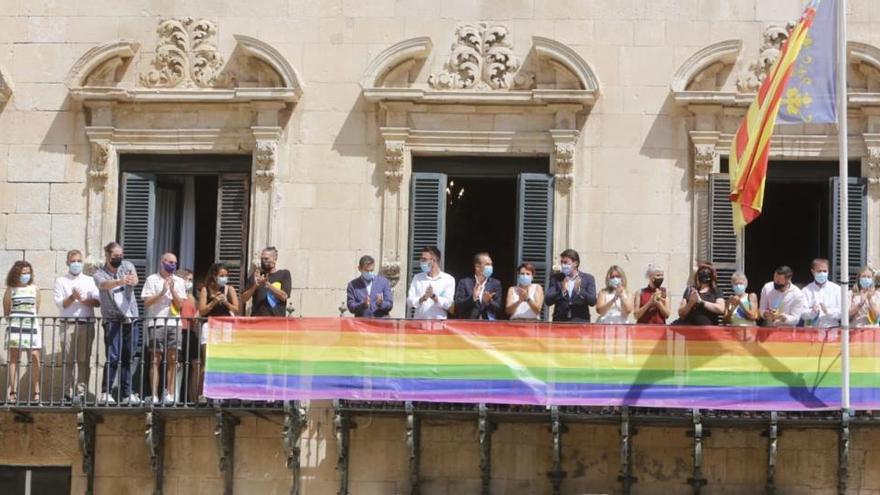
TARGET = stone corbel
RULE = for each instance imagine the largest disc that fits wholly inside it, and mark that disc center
(705, 155)
(5, 85)
(99, 165)
(563, 170)
(102, 177)
(706, 162)
(265, 163)
(871, 170)
(394, 168)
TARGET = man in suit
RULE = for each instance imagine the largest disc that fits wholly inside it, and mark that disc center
(478, 297)
(369, 296)
(571, 292)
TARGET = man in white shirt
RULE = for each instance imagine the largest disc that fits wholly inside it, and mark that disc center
(76, 296)
(821, 298)
(431, 291)
(163, 295)
(782, 303)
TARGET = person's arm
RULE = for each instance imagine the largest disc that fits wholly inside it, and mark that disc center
(204, 305)
(178, 293)
(854, 306)
(412, 298)
(250, 288)
(687, 303)
(495, 303)
(874, 306)
(512, 301)
(664, 305)
(447, 289)
(150, 296)
(38, 298)
(586, 293)
(58, 296)
(752, 312)
(797, 308)
(640, 310)
(232, 300)
(626, 303)
(284, 292)
(354, 305)
(93, 297)
(7, 301)
(554, 292)
(387, 297)
(536, 302)
(810, 312)
(716, 307)
(108, 284)
(463, 299)
(833, 307)
(604, 302)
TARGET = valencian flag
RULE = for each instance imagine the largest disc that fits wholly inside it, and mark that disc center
(802, 82)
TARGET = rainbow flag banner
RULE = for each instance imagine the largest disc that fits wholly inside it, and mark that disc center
(538, 363)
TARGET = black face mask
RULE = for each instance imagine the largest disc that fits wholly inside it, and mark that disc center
(779, 287)
(266, 266)
(704, 277)
(657, 282)
(115, 262)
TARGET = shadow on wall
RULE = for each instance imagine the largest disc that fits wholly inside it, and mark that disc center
(667, 138)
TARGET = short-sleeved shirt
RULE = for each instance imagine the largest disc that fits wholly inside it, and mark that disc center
(163, 308)
(699, 315)
(119, 302)
(263, 302)
(64, 287)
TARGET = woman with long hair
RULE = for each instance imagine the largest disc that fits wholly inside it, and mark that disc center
(216, 298)
(21, 303)
(703, 301)
(614, 303)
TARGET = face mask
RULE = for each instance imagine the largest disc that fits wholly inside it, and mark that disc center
(188, 285)
(25, 278)
(614, 282)
(169, 267)
(222, 281)
(820, 277)
(779, 287)
(739, 289)
(704, 277)
(425, 266)
(76, 267)
(115, 262)
(487, 271)
(266, 266)
(524, 279)
(567, 269)
(368, 275)
(864, 282)
(658, 282)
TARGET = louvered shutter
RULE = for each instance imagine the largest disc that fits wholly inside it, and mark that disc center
(722, 237)
(137, 224)
(427, 213)
(534, 224)
(232, 224)
(856, 221)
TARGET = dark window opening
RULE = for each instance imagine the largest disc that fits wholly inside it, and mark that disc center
(43, 480)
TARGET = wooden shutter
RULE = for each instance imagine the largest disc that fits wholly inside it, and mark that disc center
(427, 214)
(722, 237)
(137, 224)
(232, 224)
(534, 224)
(856, 222)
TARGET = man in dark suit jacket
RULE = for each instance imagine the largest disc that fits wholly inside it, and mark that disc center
(571, 292)
(478, 297)
(369, 296)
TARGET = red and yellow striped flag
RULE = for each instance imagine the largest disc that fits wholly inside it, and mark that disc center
(751, 146)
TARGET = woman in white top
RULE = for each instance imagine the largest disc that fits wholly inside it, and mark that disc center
(614, 303)
(525, 301)
(21, 304)
(864, 307)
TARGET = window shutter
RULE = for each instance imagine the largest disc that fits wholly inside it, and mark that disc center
(137, 223)
(232, 224)
(534, 223)
(427, 216)
(856, 222)
(722, 237)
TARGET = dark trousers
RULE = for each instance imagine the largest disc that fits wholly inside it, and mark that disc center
(123, 343)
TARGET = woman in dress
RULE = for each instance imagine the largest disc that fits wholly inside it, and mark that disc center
(21, 303)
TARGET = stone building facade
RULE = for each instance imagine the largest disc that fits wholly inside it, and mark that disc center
(310, 121)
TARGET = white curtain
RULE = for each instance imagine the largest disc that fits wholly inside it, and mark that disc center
(165, 233)
(187, 255)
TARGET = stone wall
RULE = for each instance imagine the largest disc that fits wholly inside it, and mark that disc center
(734, 462)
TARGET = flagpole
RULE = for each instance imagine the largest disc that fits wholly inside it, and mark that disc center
(843, 226)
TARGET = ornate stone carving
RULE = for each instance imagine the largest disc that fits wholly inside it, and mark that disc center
(98, 172)
(774, 36)
(482, 58)
(265, 159)
(391, 271)
(186, 56)
(704, 162)
(394, 154)
(564, 159)
(873, 172)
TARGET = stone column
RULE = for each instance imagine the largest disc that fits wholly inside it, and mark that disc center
(871, 171)
(563, 170)
(706, 162)
(264, 196)
(395, 212)
(102, 205)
